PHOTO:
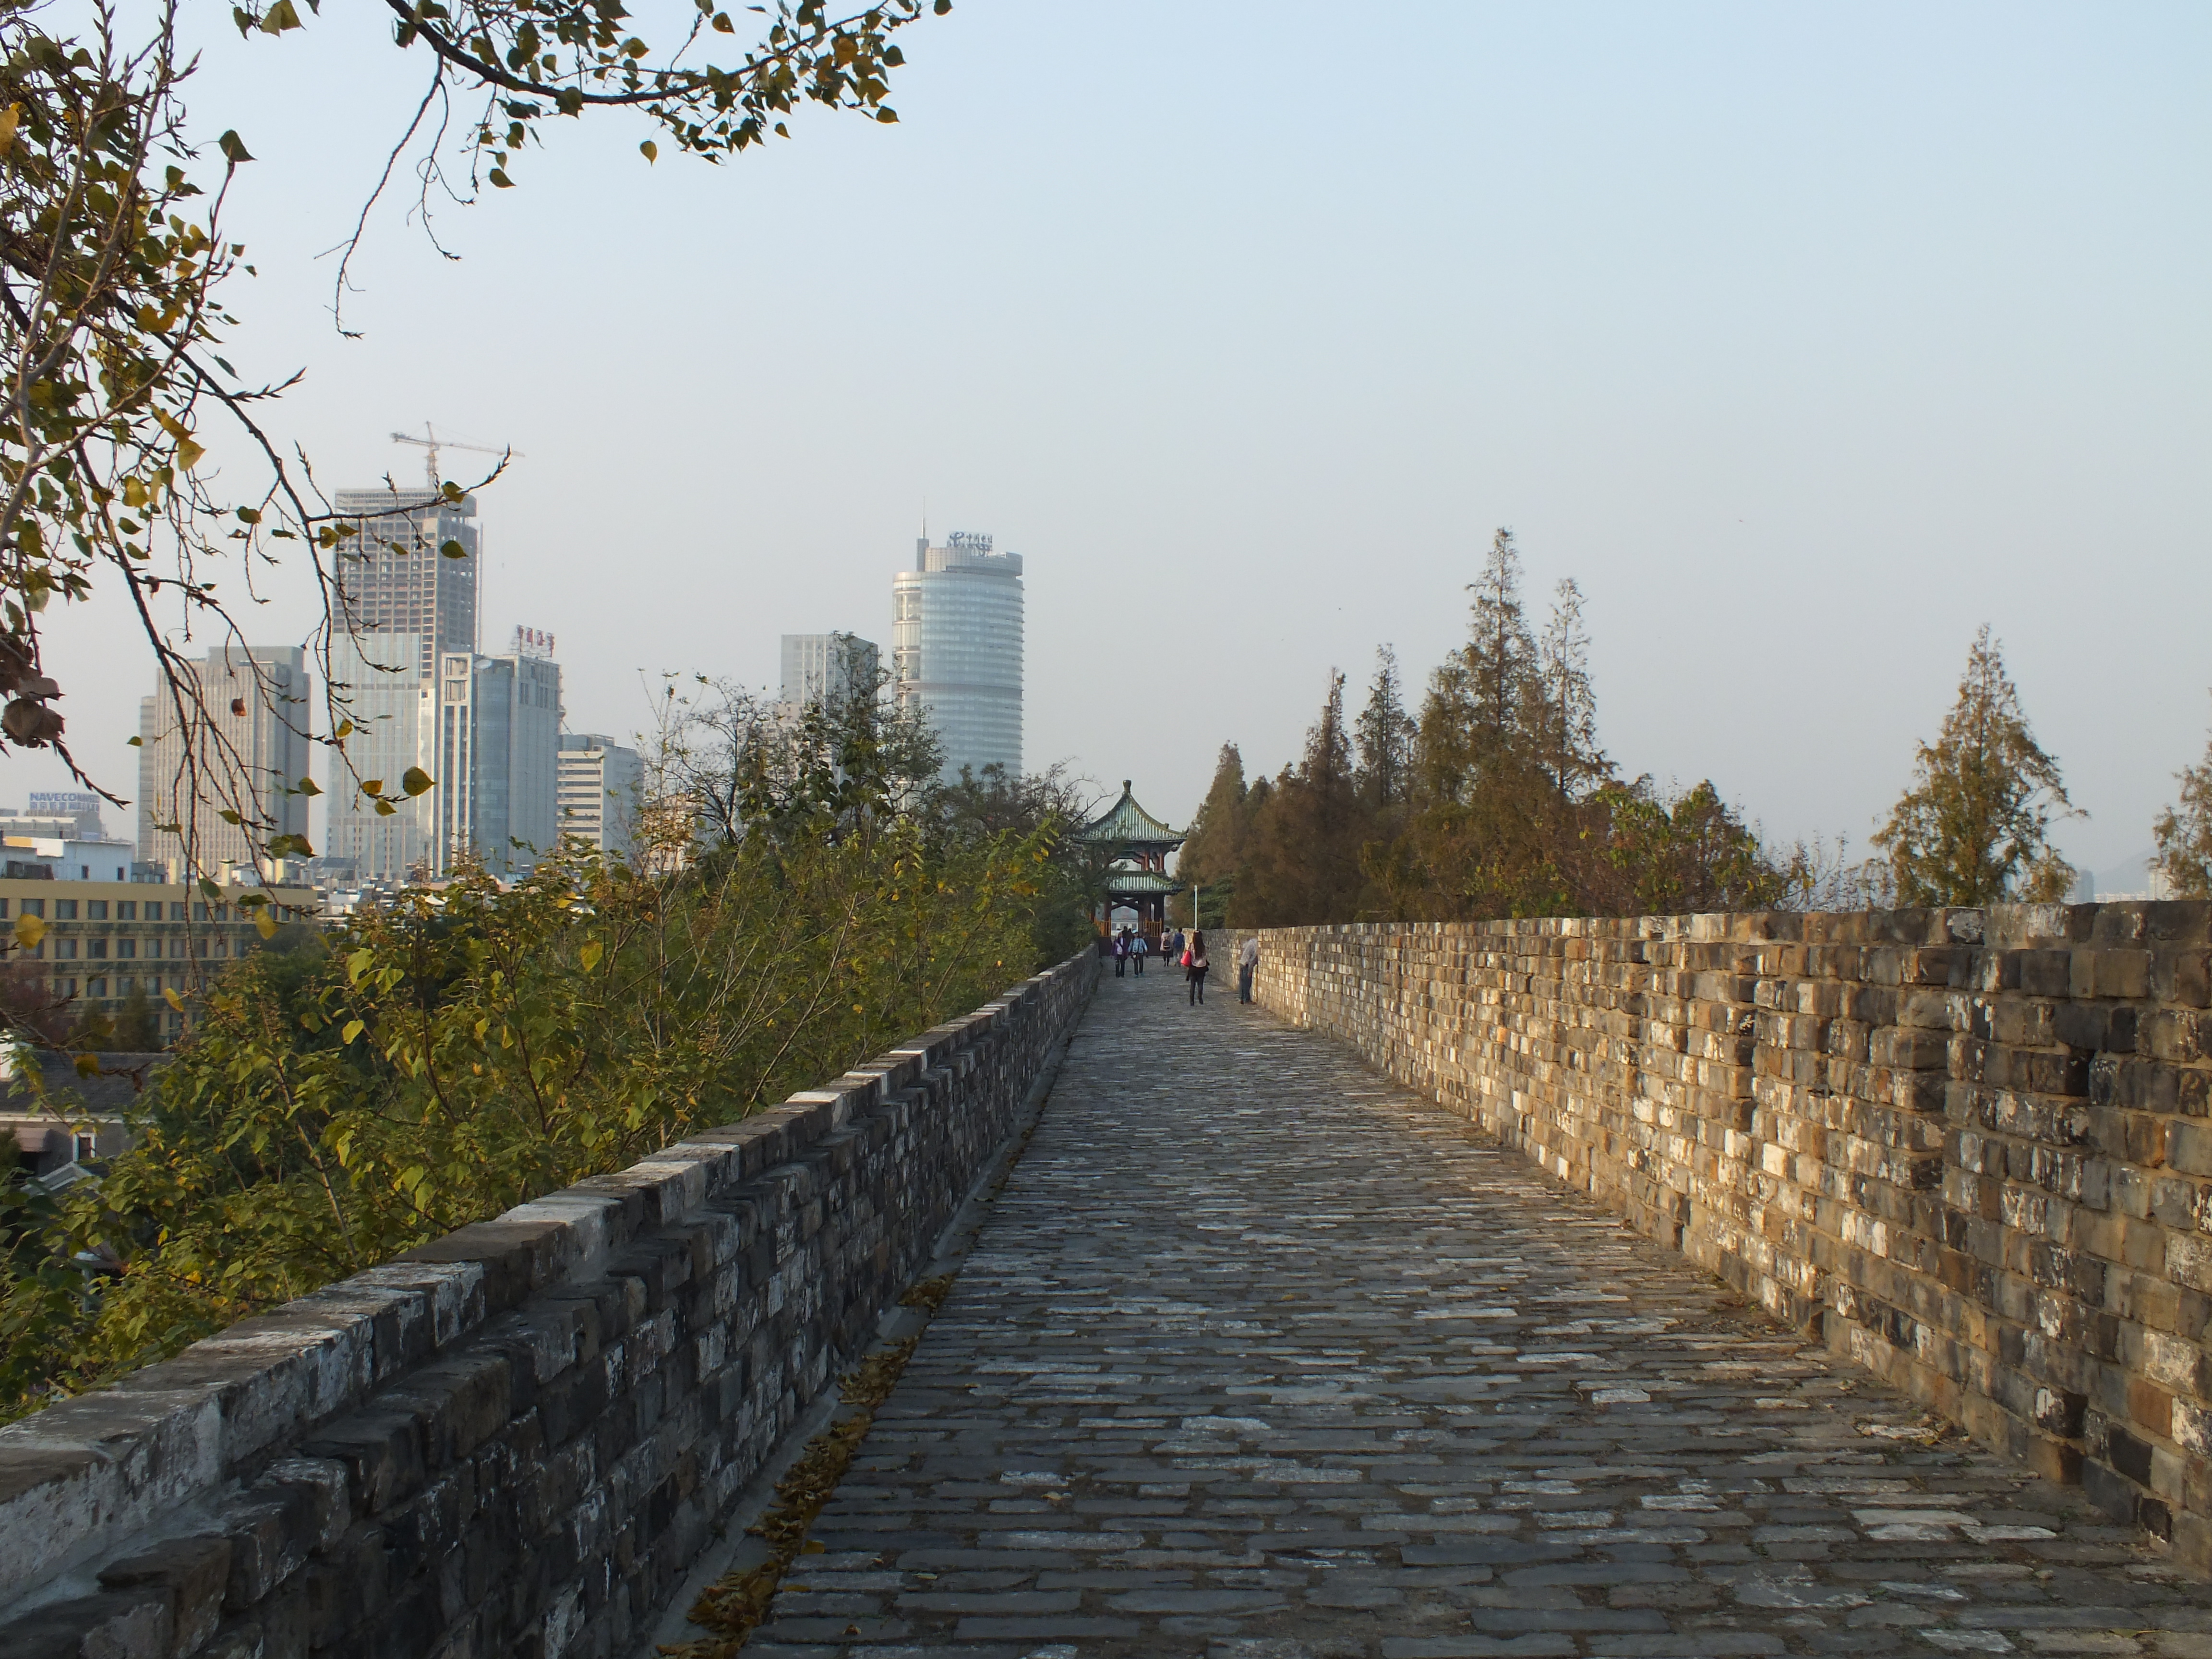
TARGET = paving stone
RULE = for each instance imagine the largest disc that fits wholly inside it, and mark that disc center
(1261, 1356)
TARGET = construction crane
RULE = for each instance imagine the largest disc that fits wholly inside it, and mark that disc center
(433, 443)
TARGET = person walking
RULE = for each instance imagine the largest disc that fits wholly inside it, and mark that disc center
(1120, 952)
(1176, 948)
(1248, 963)
(1137, 952)
(1195, 957)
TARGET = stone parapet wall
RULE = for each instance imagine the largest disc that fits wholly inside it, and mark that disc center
(514, 1441)
(1970, 1148)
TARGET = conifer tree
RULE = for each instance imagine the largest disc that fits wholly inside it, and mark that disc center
(1975, 826)
(1384, 733)
(1473, 720)
(2184, 833)
(1566, 703)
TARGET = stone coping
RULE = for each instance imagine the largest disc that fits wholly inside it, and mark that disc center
(79, 1474)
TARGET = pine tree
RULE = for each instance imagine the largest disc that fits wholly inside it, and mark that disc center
(1975, 826)
(1215, 843)
(1566, 716)
(1474, 719)
(1384, 733)
(2184, 833)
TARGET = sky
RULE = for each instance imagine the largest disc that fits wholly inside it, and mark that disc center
(1808, 339)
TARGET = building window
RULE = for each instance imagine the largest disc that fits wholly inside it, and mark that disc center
(83, 1144)
(223, 913)
(199, 947)
(96, 947)
(3, 907)
(125, 910)
(95, 987)
(176, 913)
(65, 950)
(65, 986)
(34, 907)
(95, 909)
(126, 947)
(199, 912)
(65, 910)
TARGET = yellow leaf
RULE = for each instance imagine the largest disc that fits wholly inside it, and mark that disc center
(29, 930)
(354, 1028)
(265, 924)
(589, 956)
(650, 150)
(416, 782)
(8, 119)
(188, 454)
(175, 1001)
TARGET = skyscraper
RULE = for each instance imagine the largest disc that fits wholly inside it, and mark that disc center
(600, 781)
(255, 702)
(411, 568)
(499, 746)
(826, 668)
(956, 648)
(407, 587)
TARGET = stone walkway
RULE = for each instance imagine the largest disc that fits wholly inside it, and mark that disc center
(1261, 1356)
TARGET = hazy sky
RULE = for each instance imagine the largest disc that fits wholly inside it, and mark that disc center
(1809, 339)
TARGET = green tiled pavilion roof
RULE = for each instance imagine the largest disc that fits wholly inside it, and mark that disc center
(1128, 824)
(1128, 883)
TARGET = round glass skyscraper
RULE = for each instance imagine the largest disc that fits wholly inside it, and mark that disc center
(956, 649)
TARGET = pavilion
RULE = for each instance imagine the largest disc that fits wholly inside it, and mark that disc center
(1137, 844)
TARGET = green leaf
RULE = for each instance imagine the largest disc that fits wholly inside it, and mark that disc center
(453, 549)
(650, 150)
(416, 782)
(589, 956)
(233, 148)
(499, 178)
(280, 17)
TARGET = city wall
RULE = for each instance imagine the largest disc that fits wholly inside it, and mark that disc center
(514, 1441)
(1971, 1149)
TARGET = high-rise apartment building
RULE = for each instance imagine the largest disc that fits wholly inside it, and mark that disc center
(956, 648)
(601, 781)
(826, 668)
(255, 745)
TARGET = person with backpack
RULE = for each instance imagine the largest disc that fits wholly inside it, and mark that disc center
(1120, 952)
(1194, 964)
(1137, 950)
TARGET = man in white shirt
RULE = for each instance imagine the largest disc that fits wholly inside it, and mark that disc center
(1248, 963)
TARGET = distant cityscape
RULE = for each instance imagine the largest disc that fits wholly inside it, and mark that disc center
(513, 781)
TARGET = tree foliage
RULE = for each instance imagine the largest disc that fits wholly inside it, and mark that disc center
(2184, 833)
(1495, 800)
(467, 1048)
(1974, 826)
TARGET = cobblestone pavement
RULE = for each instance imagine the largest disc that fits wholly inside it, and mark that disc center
(1261, 1358)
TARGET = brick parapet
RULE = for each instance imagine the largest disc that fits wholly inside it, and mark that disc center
(514, 1440)
(1973, 1148)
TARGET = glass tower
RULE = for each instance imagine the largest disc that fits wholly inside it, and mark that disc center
(956, 649)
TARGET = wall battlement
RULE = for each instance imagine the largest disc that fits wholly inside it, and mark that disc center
(1973, 1149)
(516, 1440)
